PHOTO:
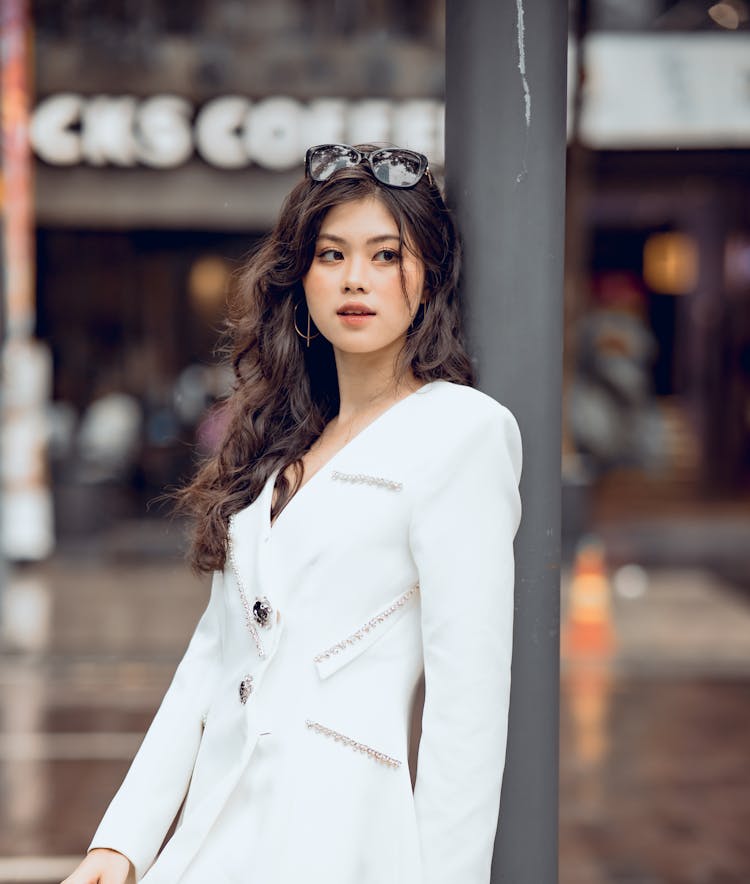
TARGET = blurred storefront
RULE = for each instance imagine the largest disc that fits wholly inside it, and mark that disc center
(658, 405)
(166, 138)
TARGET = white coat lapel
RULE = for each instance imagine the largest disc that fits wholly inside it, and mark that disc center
(248, 558)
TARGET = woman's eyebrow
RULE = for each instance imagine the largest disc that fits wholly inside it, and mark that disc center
(383, 237)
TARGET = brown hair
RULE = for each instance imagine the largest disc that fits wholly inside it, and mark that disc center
(284, 392)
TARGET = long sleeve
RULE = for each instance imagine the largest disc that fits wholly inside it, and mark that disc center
(142, 810)
(461, 537)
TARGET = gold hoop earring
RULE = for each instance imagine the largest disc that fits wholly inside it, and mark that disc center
(308, 337)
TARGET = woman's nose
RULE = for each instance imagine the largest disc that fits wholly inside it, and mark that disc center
(355, 277)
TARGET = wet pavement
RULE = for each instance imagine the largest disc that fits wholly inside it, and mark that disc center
(655, 722)
(661, 795)
(91, 650)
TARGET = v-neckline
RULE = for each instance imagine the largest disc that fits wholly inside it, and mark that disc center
(271, 524)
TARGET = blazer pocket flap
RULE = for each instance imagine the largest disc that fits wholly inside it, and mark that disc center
(341, 653)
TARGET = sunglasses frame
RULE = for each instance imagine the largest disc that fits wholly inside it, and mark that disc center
(424, 164)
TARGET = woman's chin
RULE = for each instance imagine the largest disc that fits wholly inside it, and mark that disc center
(364, 343)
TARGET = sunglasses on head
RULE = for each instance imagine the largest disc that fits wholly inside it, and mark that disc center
(392, 166)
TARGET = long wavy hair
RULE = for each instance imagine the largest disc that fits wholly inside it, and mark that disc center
(284, 392)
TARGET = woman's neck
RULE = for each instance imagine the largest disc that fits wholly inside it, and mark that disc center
(367, 385)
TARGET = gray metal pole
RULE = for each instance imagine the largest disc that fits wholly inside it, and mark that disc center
(506, 68)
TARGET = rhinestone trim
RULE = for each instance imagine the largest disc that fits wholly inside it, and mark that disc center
(348, 741)
(367, 627)
(364, 479)
(249, 617)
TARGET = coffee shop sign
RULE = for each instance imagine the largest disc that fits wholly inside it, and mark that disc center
(229, 132)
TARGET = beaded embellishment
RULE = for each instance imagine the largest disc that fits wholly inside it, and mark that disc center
(367, 627)
(364, 479)
(348, 741)
(249, 616)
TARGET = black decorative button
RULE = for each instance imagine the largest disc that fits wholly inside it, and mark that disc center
(262, 612)
(246, 688)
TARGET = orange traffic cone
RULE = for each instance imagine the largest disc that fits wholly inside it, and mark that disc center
(588, 630)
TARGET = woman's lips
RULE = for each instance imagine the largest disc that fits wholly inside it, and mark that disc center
(355, 313)
(355, 319)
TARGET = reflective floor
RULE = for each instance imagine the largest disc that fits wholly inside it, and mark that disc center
(655, 724)
(662, 793)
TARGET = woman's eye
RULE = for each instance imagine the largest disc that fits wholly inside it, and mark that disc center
(387, 255)
(330, 255)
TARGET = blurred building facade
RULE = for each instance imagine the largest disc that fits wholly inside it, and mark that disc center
(166, 135)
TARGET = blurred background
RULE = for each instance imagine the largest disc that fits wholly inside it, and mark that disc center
(145, 148)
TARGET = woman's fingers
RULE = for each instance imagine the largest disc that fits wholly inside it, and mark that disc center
(102, 866)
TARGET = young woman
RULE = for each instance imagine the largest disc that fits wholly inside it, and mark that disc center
(358, 524)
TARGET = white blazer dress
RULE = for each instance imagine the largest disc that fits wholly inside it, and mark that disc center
(282, 745)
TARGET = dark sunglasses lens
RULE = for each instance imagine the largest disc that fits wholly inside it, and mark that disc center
(398, 168)
(329, 159)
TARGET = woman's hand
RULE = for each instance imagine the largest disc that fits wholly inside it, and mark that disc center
(103, 866)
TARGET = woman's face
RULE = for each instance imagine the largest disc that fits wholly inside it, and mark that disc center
(354, 287)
